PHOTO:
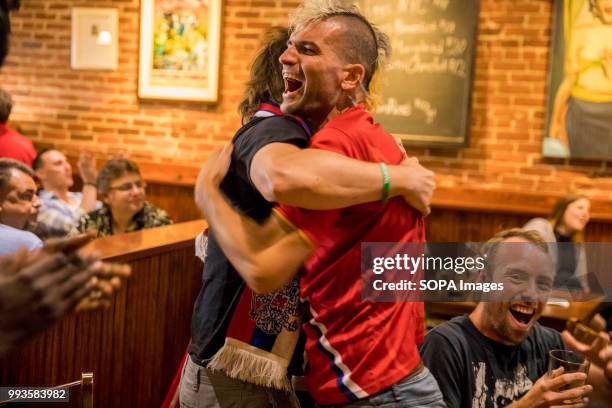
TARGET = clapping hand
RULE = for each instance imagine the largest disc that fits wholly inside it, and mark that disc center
(87, 168)
(38, 288)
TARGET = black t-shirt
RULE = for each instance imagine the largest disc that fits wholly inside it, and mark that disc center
(221, 284)
(566, 263)
(474, 371)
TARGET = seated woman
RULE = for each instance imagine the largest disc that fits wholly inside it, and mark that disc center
(125, 208)
(566, 225)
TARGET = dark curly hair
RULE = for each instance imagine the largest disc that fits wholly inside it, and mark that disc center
(266, 79)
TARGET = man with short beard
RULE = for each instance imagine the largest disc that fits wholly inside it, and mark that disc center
(498, 355)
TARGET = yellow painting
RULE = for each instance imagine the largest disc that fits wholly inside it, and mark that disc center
(580, 107)
(179, 50)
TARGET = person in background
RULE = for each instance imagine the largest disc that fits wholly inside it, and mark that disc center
(497, 356)
(12, 144)
(61, 208)
(125, 207)
(565, 225)
(18, 207)
(38, 288)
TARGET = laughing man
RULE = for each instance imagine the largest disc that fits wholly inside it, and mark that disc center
(498, 355)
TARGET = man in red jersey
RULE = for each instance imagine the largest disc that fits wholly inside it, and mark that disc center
(358, 352)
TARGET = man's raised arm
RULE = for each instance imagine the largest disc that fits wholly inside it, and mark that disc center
(267, 256)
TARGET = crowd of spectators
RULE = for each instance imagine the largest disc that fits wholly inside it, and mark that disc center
(38, 199)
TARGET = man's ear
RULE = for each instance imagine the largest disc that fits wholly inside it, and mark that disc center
(38, 173)
(354, 75)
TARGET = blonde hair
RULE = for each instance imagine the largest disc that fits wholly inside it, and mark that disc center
(491, 247)
(373, 55)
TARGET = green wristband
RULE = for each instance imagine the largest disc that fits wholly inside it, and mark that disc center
(386, 182)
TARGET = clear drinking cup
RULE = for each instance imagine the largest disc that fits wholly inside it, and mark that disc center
(572, 362)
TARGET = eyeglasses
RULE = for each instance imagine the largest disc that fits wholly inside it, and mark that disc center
(141, 185)
(24, 196)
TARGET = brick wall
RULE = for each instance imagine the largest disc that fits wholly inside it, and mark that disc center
(100, 111)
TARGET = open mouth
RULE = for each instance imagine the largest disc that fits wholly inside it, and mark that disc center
(522, 314)
(292, 84)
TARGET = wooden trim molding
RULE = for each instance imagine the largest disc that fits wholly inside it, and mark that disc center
(455, 197)
(140, 244)
(510, 202)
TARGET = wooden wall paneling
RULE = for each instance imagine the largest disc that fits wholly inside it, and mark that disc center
(470, 217)
(134, 347)
(599, 232)
(177, 200)
(458, 213)
(460, 225)
(448, 225)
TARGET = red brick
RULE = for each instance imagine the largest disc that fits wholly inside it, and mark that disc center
(100, 110)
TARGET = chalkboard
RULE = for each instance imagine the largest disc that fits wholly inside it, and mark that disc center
(425, 90)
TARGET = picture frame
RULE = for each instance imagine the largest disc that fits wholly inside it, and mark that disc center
(579, 106)
(179, 50)
(94, 41)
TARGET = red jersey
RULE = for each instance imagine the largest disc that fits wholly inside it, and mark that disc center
(355, 348)
(16, 146)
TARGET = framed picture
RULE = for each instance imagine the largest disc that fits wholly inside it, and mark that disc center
(94, 42)
(579, 111)
(179, 49)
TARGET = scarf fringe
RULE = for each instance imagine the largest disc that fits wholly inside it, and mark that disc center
(247, 363)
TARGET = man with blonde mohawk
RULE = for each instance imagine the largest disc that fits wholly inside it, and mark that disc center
(359, 353)
(242, 342)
